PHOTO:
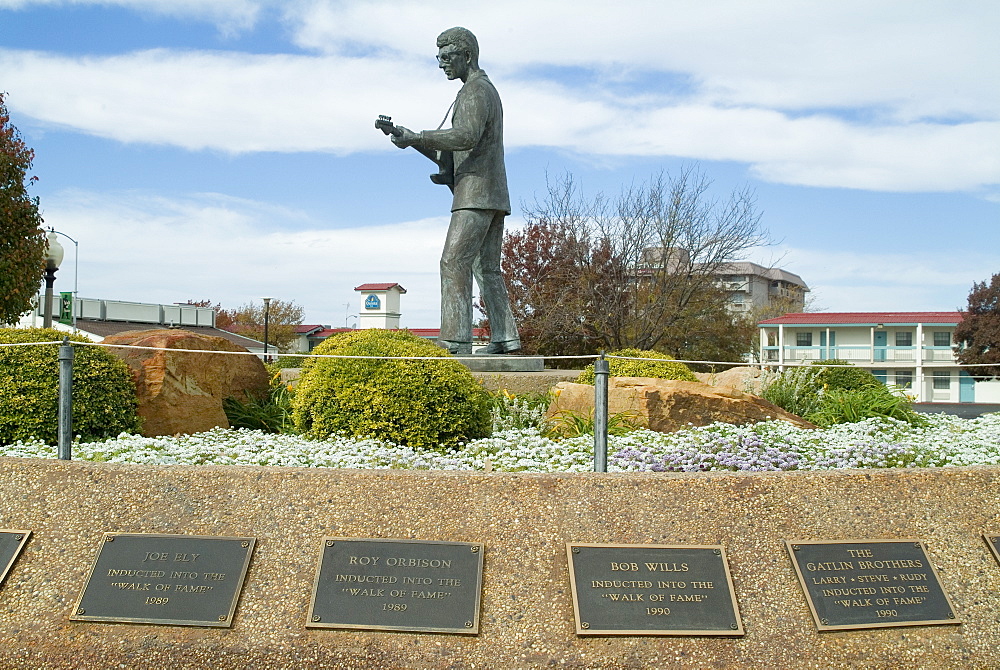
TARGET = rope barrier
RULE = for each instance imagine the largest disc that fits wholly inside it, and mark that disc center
(760, 364)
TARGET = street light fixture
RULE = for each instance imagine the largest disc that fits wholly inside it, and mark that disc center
(267, 315)
(53, 257)
(76, 270)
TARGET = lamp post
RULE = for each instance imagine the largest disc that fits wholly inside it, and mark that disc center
(53, 257)
(267, 315)
(76, 270)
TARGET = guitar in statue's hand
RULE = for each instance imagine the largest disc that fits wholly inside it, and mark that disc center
(400, 136)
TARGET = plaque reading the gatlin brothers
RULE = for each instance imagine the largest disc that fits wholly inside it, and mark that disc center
(870, 584)
(171, 580)
(405, 585)
(652, 589)
(11, 544)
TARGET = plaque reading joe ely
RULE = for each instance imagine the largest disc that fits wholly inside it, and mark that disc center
(870, 584)
(402, 585)
(175, 580)
(652, 589)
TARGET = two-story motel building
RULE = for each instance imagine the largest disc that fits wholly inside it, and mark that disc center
(911, 350)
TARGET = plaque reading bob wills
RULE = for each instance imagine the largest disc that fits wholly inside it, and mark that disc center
(870, 584)
(405, 585)
(11, 544)
(172, 580)
(652, 589)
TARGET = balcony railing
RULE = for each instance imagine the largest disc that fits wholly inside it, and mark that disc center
(858, 353)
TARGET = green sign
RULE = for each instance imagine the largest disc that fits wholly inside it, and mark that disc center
(66, 307)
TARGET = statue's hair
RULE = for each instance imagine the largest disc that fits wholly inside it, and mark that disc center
(463, 39)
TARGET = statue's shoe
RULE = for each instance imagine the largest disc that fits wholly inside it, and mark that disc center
(505, 347)
(456, 348)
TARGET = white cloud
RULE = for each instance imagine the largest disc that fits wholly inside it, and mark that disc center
(146, 248)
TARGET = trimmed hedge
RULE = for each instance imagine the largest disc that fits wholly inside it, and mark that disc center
(104, 397)
(425, 404)
(668, 369)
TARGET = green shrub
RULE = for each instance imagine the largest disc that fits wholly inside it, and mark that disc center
(667, 369)
(844, 375)
(104, 398)
(270, 413)
(842, 393)
(427, 403)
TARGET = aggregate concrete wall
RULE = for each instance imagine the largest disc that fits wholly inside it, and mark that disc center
(524, 521)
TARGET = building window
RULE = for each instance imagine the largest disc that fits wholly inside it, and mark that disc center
(942, 380)
(942, 338)
(904, 339)
(803, 339)
(904, 379)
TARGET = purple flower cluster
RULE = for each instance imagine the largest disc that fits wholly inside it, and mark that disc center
(746, 452)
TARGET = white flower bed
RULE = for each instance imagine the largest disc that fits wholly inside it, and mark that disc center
(773, 445)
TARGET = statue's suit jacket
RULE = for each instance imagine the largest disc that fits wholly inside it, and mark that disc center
(476, 142)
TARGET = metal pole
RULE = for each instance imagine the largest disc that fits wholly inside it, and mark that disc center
(50, 279)
(267, 313)
(601, 372)
(65, 400)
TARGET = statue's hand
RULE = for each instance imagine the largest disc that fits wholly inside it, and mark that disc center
(406, 138)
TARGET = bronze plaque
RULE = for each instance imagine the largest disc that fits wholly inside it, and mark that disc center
(170, 580)
(993, 542)
(652, 589)
(11, 544)
(404, 585)
(870, 584)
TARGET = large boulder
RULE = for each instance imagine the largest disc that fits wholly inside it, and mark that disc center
(745, 378)
(667, 405)
(180, 391)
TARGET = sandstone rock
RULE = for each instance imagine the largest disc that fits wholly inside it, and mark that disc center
(747, 379)
(182, 392)
(666, 405)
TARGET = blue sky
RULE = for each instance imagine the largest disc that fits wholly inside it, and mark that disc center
(225, 149)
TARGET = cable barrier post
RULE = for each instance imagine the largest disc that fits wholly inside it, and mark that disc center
(65, 400)
(601, 372)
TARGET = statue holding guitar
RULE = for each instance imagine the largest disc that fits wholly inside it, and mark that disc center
(470, 161)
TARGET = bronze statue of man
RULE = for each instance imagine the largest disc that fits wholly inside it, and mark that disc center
(470, 158)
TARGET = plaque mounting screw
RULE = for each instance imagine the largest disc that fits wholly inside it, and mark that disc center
(734, 626)
(717, 552)
(576, 550)
(81, 611)
(796, 547)
(951, 615)
(18, 537)
(474, 549)
(824, 621)
(329, 543)
(468, 624)
(317, 617)
(223, 617)
(585, 625)
(244, 544)
(109, 538)
(916, 544)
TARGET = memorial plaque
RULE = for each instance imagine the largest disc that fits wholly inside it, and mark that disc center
(652, 589)
(405, 585)
(11, 544)
(870, 584)
(171, 580)
(993, 542)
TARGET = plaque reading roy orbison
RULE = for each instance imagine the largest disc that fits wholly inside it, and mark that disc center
(652, 589)
(174, 580)
(870, 584)
(401, 585)
(11, 544)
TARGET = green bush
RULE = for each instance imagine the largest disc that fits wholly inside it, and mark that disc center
(423, 403)
(844, 375)
(667, 369)
(104, 398)
(841, 393)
